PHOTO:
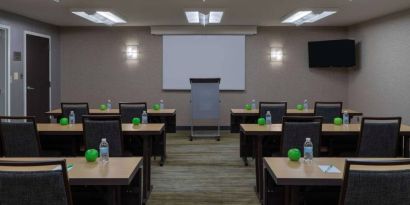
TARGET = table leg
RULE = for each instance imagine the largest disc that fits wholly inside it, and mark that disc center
(258, 166)
(147, 151)
(243, 148)
(164, 149)
(406, 147)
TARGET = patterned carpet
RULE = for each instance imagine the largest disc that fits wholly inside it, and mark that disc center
(203, 172)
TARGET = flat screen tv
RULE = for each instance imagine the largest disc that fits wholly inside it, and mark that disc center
(334, 53)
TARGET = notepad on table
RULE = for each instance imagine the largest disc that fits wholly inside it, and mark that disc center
(329, 169)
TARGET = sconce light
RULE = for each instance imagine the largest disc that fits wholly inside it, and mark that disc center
(132, 52)
(276, 54)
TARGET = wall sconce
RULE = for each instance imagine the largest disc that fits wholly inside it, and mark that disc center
(276, 54)
(132, 52)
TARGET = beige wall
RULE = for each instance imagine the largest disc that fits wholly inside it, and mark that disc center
(380, 86)
(94, 68)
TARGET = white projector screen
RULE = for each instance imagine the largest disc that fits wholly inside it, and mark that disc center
(203, 56)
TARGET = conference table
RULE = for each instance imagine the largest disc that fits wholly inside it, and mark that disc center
(120, 175)
(291, 175)
(275, 130)
(166, 116)
(241, 116)
(147, 131)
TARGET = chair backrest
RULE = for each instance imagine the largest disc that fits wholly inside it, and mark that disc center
(131, 110)
(328, 110)
(376, 182)
(295, 130)
(42, 186)
(79, 109)
(379, 137)
(97, 127)
(277, 110)
(19, 137)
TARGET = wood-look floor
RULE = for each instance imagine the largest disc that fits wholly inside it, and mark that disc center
(203, 172)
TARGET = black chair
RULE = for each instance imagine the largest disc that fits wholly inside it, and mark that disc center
(97, 127)
(328, 110)
(376, 183)
(295, 130)
(277, 110)
(131, 110)
(34, 187)
(79, 109)
(379, 137)
(19, 137)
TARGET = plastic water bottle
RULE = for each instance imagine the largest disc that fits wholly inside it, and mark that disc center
(109, 104)
(144, 117)
(308, 151)
(104, 151)
(253, 104)
(71, 117)
(305, 104)
(345, 118)
(161, 104)
(268, 118)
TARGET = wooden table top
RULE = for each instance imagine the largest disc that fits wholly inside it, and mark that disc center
(119, 170)
(116, 112)
(127, 128)
(286, 172)
(326, 128)
(289, 111)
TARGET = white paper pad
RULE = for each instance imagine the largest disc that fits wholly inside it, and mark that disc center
(329, 169)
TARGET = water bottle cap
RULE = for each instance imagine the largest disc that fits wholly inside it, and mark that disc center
(104, 139)
(72, 111)
(268, 112)
(308, 139)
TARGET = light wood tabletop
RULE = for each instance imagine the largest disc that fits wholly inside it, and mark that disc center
(127, 128)
(152, 112)
(289, 111)
(119, 170)
(326, 128)
(286, 172)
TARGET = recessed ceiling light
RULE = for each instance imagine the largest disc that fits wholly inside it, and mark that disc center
(196, 17)
(307, 16)
(112, 17)
(296, 16)
(215, 16)
(102, 17)
(192, 16)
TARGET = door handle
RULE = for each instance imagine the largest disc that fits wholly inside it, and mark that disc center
(30, 88)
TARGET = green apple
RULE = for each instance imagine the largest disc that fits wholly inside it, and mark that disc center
(156, 106)
(64, 121)
(91, 155)
(261, 121)
(299, 107)
(248, 107)
(136, 121)
(103, 107)
(294, 154)
(338, 121)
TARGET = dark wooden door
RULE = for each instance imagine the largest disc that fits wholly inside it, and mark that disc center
(37, 71)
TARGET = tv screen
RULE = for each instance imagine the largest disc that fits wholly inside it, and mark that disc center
(335, 53)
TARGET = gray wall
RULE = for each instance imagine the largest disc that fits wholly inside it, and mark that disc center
(380, 85)
(94, 68)
(18, 25)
